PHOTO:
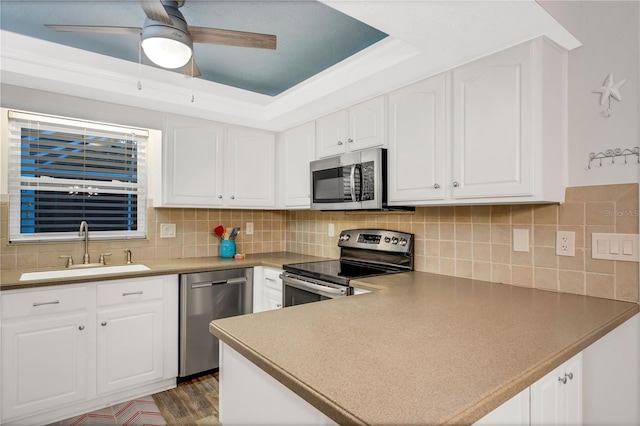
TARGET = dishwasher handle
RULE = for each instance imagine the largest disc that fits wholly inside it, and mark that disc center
(240, 280)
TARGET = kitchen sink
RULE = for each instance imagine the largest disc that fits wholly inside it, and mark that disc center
(99, 270)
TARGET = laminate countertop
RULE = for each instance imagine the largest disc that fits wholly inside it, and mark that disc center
(10, 280)
(420, 348)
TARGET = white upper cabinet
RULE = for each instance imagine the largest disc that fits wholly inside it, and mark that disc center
(192, 163)
(490, 131)
(358, 127)
(298, 150)
(509, 120)
(251, 168)
(205, 164)
(417, 121)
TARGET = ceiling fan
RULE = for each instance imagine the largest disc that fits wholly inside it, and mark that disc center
(167, 40)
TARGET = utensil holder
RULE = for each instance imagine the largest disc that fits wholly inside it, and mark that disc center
(227, 248)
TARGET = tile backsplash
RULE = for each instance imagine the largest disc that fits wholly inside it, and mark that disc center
(465, 241)
(476, 241)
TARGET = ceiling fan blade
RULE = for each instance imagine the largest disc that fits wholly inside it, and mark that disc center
(232, 38)
(154, 9)
(95, 29)
(187, 70)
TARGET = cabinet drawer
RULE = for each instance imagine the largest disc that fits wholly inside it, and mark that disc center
(129, 291)
(39, 302)
(272, 294)
(272, 279)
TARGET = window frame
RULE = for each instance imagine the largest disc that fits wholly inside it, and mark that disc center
(16, 183)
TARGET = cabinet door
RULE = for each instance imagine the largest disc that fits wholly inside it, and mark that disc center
(366, 124)
(130, 346)
(331, 134)
(416, 156)
(556, 399)
(299, 150)
(492, 134)
(44, 363)
(514, 412)
(251, 168)
(192, 164)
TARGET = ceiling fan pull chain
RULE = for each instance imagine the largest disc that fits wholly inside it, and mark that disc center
(139, 64)
(193, 98)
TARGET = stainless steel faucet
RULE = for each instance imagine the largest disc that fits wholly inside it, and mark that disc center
(84, 227)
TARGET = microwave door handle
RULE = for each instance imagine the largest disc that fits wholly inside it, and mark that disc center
(352, 183)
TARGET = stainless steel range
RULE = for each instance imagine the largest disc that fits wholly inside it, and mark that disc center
(363, 253)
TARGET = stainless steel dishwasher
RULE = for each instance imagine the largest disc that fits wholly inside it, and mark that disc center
(206, 296)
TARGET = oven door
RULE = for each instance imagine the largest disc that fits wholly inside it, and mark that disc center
(298, 290)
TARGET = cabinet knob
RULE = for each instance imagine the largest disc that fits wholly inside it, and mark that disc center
(339, 142)
(456, 184)
(233, 198)
(219, 196)
(436, 186)
(569, 375)
(350, 140)
(563, 380)
(279, 305)
(81, 327)
(103, 323)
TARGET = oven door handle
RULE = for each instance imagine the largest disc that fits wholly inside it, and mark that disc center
(316, 287)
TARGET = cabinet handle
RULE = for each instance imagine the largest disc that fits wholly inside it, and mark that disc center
(103, 323)
(436, 186)
(456, 184)
(339, 142)
(219, 196)
(55, 302)
(563, 379)
(81, 328)
(233, 198)
(279, 305)
(132, 293)
(569, 375)
(350, 140)
(270, 279)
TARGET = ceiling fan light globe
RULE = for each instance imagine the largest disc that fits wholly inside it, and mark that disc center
(166, 52)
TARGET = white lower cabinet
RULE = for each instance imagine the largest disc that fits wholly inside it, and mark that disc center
(44, 363)
(267, 288)
(71, 349)
(556, 399)
(514, 412)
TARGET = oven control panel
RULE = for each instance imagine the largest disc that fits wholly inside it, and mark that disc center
(376, 239)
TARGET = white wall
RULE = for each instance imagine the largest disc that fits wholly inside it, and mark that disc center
(609, 31)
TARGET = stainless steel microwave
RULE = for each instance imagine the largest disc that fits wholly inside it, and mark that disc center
(354, 181)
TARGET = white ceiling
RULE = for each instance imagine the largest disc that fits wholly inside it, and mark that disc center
(311, 36)
(425, 38)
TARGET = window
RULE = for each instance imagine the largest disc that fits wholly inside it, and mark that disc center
(63, 171)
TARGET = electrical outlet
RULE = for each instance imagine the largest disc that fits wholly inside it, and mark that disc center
(249, 228)
(167, 230)
(565, 243)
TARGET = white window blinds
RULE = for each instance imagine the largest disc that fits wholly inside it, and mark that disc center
(63, 171)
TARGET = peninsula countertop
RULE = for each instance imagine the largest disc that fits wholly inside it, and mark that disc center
(10, 280)
(420, 348)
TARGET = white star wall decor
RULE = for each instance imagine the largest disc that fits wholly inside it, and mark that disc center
(610, 90)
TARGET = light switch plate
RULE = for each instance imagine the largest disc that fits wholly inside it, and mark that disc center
(521, 240)
(167, 230)
(615, 247)
(249, 228)
(332, 230)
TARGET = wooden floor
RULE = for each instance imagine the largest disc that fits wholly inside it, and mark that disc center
(193, 402)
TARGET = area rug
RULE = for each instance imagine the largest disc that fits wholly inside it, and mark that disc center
(137, 412)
